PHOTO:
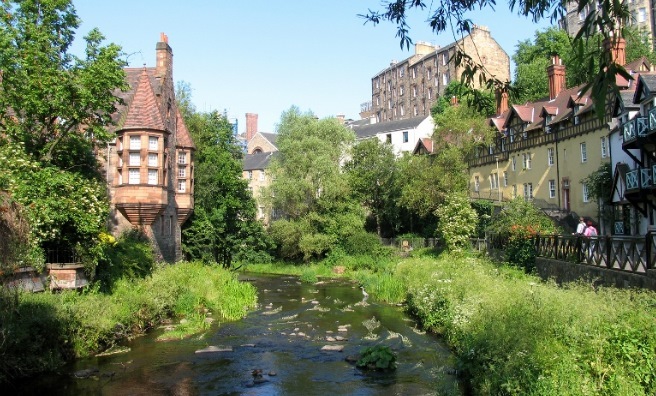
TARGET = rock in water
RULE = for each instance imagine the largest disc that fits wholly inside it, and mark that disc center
(333, 348)
(213, 348)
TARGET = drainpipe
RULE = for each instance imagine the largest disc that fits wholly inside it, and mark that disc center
(558, 170)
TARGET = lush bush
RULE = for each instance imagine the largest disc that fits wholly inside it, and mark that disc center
(286, 234)
(515, 335)
(516, 224)
(379, 357)
(128, 257)
(362, 243)
(39, 332)
(17, 246)
(457, 222)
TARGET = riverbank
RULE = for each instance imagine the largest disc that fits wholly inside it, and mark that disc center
(514, 334)
(41, 331)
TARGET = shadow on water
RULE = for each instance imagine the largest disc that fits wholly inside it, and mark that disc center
(275, 350)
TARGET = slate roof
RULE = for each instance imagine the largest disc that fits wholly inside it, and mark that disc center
(371, 130)
(645, 82)
(257, 161)
(271, 137)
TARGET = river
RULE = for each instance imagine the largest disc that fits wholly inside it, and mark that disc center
(275, 350)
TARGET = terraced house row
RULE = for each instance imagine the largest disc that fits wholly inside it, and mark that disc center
(545, 149)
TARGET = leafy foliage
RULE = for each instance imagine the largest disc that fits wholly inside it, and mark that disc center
(463, 127)
(600, 185)
(379, 357)
(457, 222)
(308, 189)
(372, 173)
(512, 334)
(54, 110)
(129, 257)
(223, 226)
(64, 209)
(482, 101)
(52, 100)
(517, 223)
(17, 247)
(426, 181)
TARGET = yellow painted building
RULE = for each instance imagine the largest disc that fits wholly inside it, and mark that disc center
(543, 151)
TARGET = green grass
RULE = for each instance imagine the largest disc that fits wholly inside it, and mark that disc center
(516, 335)
(39, 332)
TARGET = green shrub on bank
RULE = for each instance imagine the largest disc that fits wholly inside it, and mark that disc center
(514, 335)
(39, 332)
(128, 257)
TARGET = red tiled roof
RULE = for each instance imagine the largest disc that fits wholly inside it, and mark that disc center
(183, 136)
(143, 111)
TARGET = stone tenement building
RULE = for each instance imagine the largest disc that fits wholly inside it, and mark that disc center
(409, 88)
(150, 166)
(642, 17)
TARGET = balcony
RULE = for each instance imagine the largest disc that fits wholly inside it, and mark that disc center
(640, 132)
(640, 179)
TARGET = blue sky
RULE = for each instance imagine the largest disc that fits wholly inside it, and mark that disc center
(263, 56)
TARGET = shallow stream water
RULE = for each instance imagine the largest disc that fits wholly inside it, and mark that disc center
(275, 350)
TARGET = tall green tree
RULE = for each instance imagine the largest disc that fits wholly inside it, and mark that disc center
(54, 110)
(463, 127)
(57, 104)
(307, 170)
(482, 101)
(426, 181)
(533, 57)
(309, 190)
(223, 227)
(372, 174)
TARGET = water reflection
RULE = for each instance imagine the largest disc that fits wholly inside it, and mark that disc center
(283, 339)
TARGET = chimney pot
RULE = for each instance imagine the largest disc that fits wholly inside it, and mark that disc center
(556, 74)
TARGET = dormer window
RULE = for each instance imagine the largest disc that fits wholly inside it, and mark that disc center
(547, 121)
(575, 111)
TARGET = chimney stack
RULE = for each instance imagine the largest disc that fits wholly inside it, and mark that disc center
(164, 67)
(616, 46)
(502, 101)
(556, 73)
(251, 125)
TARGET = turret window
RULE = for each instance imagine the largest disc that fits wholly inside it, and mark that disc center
(135, 142)
(152, 143)
(152, 176)
(135, 159)
(133, 176)
(152, 159)
(182, 186)
(182, 158)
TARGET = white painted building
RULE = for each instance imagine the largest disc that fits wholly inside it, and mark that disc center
(401, 134)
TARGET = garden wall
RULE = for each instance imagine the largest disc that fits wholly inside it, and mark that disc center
(563, 272)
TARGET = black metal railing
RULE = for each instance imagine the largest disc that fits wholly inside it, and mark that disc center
(61, 256)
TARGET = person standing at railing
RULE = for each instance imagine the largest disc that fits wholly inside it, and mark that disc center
(590, 231)
(580, 228)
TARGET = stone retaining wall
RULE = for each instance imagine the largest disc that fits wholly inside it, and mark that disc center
(563, 272)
